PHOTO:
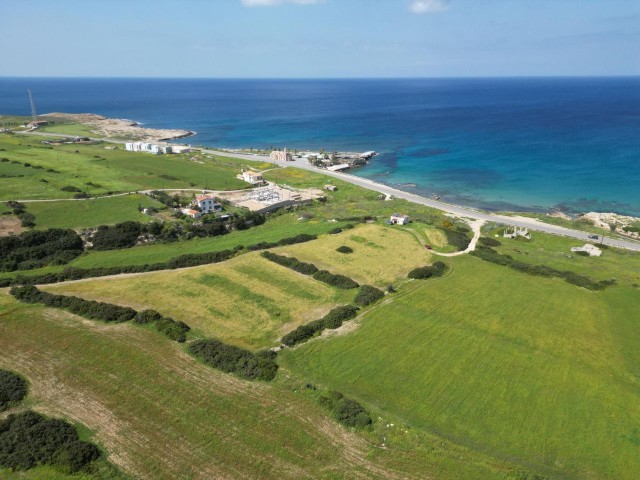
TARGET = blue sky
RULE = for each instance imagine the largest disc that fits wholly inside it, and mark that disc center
(319, 38)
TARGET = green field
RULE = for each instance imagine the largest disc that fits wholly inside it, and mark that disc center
(162, 415)
(89, 213)
(520, 367)
(111, 170)
(247, 301)
(381, 254)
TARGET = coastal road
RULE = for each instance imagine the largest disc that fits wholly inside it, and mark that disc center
(471, 213)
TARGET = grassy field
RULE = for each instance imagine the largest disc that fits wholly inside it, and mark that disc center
(283, 226)
(381, 254)
(76, 129)
(247, 301)
(520, 367)
(555, 251)
(111, 170)
(161, 415)
(90, 213)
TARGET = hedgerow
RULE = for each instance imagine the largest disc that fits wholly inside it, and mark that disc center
(436, 270)
(490, 255)
(368, 295)
(291, 262)
(489, 242)
(13, 388)
(232, 359)
(331, 320)
(335, 280)
(348, 412)
(29, 439)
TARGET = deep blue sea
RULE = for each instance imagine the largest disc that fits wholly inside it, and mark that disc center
(525, 144)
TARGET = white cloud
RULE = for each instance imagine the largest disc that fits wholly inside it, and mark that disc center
(272, 3)
(428, 6)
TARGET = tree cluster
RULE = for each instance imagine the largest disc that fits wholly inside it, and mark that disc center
(436, 270)
(458, 238)
(38, 248)
(335, 280)
(28, 439)
(121, 235)
(232, 359)
(291, 262)
(13, 388)
(490, 255)
(368, 295)
(331, 320)
(348, 412)
(344, 249)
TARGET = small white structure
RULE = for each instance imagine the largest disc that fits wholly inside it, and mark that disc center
(253, 178)
(207, 203)
(191, 213)
(397, 219)
(592, 250)
(280, 156)
(340, 166)
(180, 148)
(331, 188)
(517, 232)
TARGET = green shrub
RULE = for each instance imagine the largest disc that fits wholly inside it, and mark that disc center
(29, 439)
(231, 359)
(335, 280)
(331, 320)
(348, 412)
(489, 242)
(436, 270)
(70, 188)
(13, 388)
(291, 262)
(344, 249)
(38, 248)
(368, 295)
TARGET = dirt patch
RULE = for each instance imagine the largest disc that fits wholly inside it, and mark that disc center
(10, 226)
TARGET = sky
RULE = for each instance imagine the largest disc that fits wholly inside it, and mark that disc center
(319, 38)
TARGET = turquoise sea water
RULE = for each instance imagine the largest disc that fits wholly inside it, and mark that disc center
(524, 144)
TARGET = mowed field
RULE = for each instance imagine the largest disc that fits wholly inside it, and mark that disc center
(526, 368)
(247, 301)
(381, 255)
(160, 414)
(89, 213)
(94, 169)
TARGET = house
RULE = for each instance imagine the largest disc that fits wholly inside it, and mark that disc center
(191, 213)
(207, 203)
(592, 250)
(397, 219)
(280, 156)
(253, 178)
(331, 188)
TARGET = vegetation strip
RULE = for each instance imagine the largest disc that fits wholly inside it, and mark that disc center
(331, 320)
(335, 280)
(232, 359)
(13, 388)
(488, 254)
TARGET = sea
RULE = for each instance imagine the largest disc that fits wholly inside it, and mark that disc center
(525, 144)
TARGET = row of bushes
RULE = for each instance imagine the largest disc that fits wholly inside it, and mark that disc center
(331, 320)
(301, 238)
(27, 220)
(182, 261)
(174, 330)
(368, 295)
(13, 388)
(231, 359)
(490, 255)
(346, 411)
(39, 248)
(291, 262)
(335, 280)
(29, 439)
(437, 269)
(90, 309)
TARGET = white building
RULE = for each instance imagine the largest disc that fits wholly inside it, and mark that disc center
(148, 148)
(191, 213)
(253, 178)
(397, 219)
(207, 203)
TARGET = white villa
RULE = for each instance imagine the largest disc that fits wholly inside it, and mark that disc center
(147, 148)
(207, 203)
